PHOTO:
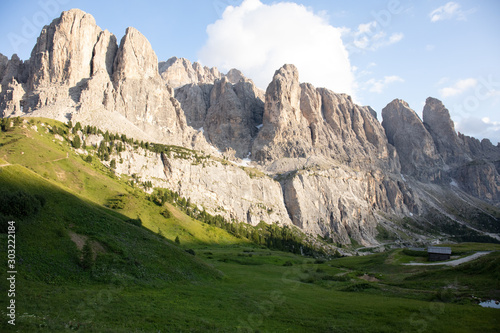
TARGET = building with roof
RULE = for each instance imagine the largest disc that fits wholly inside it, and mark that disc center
(437, 253)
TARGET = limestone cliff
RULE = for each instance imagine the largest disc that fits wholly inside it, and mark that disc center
(13, 78)
(432, 151)
(230, 114)
(77, 71)
(415, 146)
(301, 121)
(437, 121)
(178, 72)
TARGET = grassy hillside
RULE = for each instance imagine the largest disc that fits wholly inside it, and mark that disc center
(85, 266)
(51, 157)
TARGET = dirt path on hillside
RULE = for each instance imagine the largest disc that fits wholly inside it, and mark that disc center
(58, 159)
(452, 262)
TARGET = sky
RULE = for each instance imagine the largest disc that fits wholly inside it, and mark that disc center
(375, 51)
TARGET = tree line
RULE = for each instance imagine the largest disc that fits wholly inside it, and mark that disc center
(272, 236)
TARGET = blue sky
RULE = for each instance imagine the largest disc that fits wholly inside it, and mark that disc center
(374, 50)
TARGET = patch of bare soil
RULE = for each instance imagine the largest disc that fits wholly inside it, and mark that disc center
(80, 240)
(369, 278)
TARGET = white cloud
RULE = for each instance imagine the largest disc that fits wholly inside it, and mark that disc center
(493, 93)
(395, 38)
(258, 39)
(442, 81)
(450, 11)
(480, 128)
(378, 86)
(369, 37)
(458, 88)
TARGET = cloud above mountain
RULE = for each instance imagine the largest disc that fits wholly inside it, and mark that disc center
(480, 128)
(450, 11)
(378, 86)
(258, 39)
(458, 88)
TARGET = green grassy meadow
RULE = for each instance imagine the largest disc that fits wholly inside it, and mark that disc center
(138, 279)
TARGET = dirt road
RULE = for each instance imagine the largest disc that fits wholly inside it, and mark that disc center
(452, 262)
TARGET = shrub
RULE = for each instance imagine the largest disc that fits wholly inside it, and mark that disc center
(4, 223)
(136, 222)
(339, 278)
(413, 253)
(166, 214)
(88, 159)
(87, 255)
(117, 202)
(77, 143)
(359, 287)
(20, 203)
(177, 240)
(191, 251)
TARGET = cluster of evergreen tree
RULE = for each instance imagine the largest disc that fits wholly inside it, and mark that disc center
(8, 124)
(114, 141)
(271, 236)
(18, 205)
(59, 130)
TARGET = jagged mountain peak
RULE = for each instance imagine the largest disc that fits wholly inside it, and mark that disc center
(437, 120)
(288, 72)
(135, 57)
(178, 72)
(414, 144)
(234, 76)
(64, 50)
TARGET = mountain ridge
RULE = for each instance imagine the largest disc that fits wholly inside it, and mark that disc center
(334, 170)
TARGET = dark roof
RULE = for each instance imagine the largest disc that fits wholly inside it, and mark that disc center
(440, 250)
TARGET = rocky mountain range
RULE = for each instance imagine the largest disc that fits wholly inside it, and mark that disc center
(292, 155)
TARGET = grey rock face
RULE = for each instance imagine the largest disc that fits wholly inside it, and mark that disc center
(178, 72)
(481, 179)
(77, 69)
(15, 69)
(3, 65)
(281, 134)
(414, 144)
(234, 76)
(342, 204)
(104, 54)
(230, 123)
(300, 120)
(195, 101)
(228, 113)
(13, 77)
(227, 190)
(433, 152)
(140, 94)
(438, 122)
(11, 97)
(135, 58)
(63, 52)
(338, 177)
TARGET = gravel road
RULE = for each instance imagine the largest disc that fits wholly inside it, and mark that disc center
(452, 262)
